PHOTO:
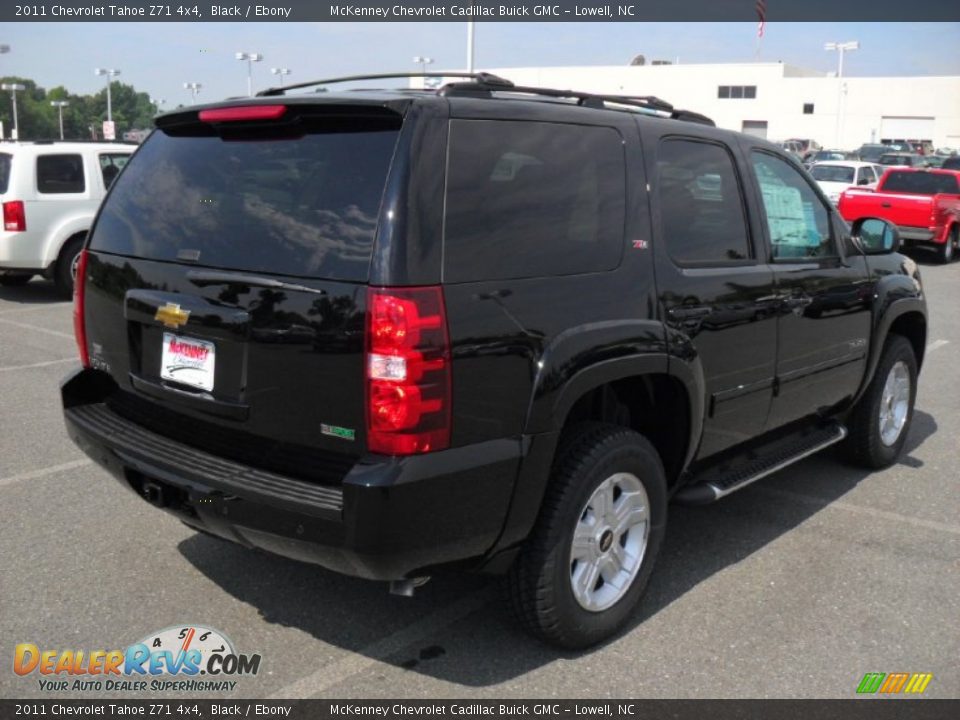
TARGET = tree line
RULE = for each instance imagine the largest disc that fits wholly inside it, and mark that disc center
(39, 120)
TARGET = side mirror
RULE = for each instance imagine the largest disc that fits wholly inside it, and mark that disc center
(876, 236)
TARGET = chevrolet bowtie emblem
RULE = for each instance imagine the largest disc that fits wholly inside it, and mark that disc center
(172, 316)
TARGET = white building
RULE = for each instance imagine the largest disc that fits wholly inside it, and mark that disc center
(780, 101)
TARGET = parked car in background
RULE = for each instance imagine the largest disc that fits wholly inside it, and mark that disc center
(822, 156)
(806, 144)
(835, 177)
(933, 161)
(923, 204)
(871, 152)
(794, 147)
(901, 159)
(951, 163)
(50, 192)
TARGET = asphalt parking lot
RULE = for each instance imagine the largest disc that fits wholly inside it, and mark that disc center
(794, 587)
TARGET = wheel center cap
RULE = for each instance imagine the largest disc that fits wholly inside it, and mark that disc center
(606, 540)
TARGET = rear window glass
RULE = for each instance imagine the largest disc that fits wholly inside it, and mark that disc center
(60, 174)
(532, 199)
(6, 160)
(304, 205)
(832, 173)
(922, 183)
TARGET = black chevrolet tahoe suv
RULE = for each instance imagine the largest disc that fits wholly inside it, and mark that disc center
(478, 327)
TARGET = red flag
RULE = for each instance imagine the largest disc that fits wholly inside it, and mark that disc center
(762, 16)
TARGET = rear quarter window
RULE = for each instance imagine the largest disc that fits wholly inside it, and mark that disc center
(532, 199)
(59, 174)
(921, 183)
(6, 162)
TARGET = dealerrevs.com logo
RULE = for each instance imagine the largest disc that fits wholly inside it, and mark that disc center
(184, 658)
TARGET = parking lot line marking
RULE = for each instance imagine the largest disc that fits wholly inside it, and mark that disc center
(9, 368)
(34, 308)
(873, 512)
(38, 329)
(376, 652)
(44, 472)
(937, 344)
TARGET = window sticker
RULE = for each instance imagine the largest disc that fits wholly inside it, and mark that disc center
(788, 219)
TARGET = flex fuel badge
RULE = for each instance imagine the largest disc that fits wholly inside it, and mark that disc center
(183, 658)
(339, 432)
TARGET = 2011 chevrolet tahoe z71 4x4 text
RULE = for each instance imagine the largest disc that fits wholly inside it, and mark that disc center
(485, 327)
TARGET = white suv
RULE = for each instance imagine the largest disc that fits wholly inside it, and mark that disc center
(50, 192)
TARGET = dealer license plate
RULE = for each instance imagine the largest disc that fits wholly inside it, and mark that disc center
(188, 361)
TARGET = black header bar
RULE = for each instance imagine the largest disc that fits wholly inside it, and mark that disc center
(479, 10)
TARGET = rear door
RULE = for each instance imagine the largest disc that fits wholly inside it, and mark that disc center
(227, 283)
(715, 290)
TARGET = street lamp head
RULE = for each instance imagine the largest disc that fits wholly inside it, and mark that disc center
(59, 103)
(252, 57)
(109, 73)
(280, 71)
(13, 87)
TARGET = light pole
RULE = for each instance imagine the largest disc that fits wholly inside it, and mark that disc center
(423, 61)
(157, 102)
(470, 33)
(194, 88)
(110, 75)
(281, 72)
(841, 48)
(60, 105)
(251, 58)
(13, 88)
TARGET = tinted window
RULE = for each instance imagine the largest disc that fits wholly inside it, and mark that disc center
(60, 174)
(296, 205)
(110, 167)
(951, 163)
(750, 91)
(6, 160)
(922, 183)
(701, 209)
(723, 91)
(797, 220)
(527, 199)
(832, 173)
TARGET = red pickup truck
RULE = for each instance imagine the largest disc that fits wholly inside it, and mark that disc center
(924, 204)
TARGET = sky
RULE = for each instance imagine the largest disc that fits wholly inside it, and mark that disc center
(159, 58)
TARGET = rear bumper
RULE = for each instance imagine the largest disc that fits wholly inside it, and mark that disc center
(21, 251)
(390, 518)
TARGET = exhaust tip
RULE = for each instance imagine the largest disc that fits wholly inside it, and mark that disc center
(407, 588)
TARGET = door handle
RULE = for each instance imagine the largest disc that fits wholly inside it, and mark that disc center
(689, 313)
(795, 302)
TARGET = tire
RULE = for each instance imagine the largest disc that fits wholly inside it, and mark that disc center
(868, 445)
(63, 275)
(595, 461)
(15, 279)
(947, 252)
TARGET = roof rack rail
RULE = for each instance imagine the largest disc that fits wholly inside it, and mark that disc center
(483, 84)
(479, 78)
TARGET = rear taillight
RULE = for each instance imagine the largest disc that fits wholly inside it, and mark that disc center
(14, 217)
(79, 322)
(408, 371)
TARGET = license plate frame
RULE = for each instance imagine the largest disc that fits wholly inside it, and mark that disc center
(188, 361)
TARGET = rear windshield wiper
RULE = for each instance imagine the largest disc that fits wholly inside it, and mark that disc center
(203, 278)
